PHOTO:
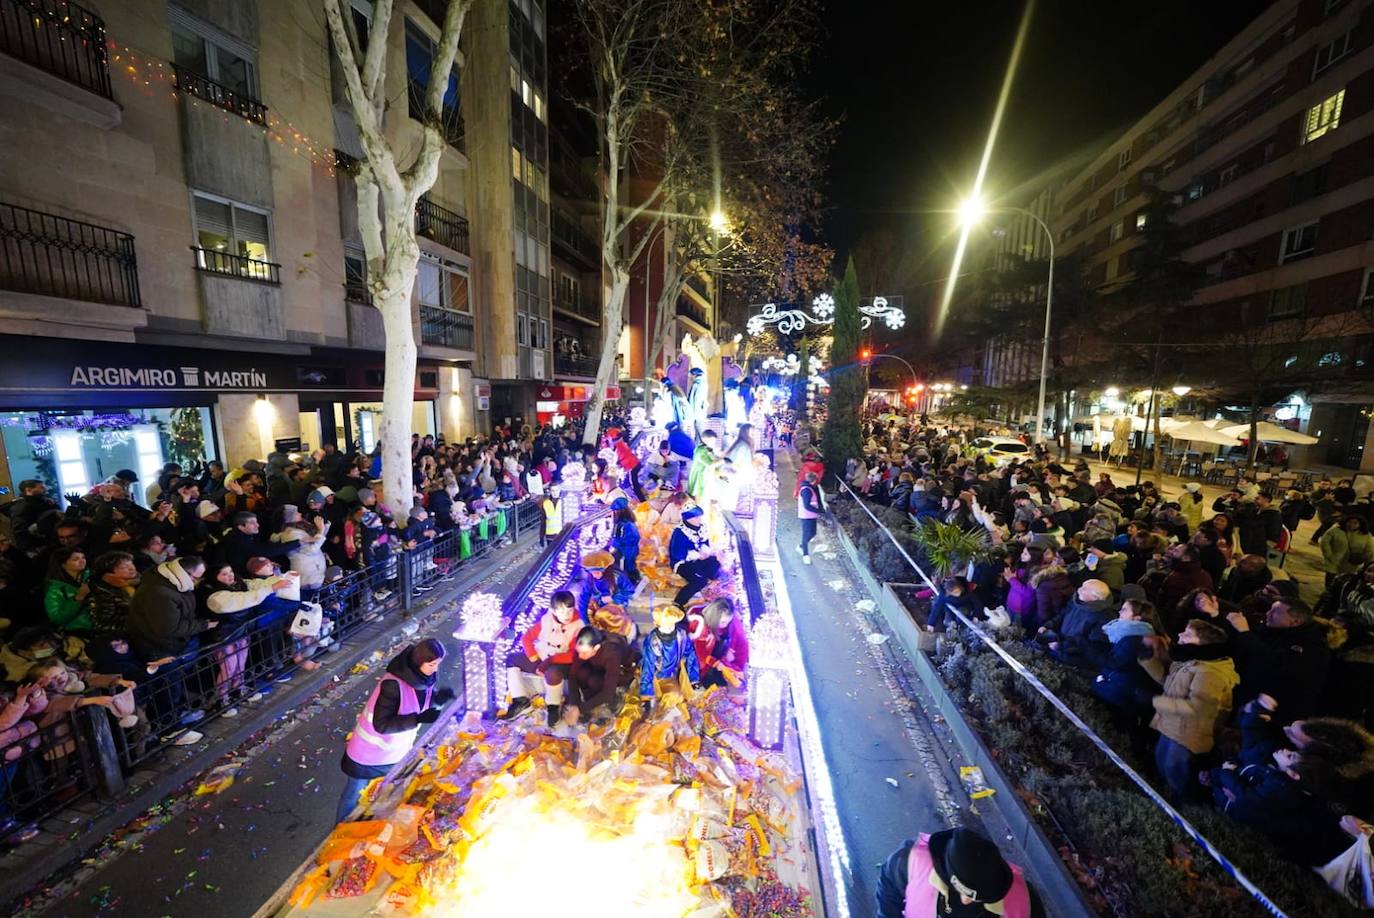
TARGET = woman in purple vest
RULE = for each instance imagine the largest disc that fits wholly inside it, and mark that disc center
(403, 699)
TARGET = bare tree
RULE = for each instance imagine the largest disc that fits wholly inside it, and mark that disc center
(390, 182)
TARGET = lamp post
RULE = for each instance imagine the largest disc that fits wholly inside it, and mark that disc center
(970, 212)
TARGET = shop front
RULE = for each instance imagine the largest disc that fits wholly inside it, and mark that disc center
(560, 402)
(73, 413)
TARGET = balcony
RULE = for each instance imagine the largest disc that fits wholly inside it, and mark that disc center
(446, 227)
(193, 84)
(60, 38)
(688, 309)
(445, 328)
(450, 121)
(568, 235)
(576, 306)
(355, 291)
(213, 261)
(48, 255)
(579, 366)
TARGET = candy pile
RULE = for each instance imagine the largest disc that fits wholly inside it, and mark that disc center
(673, 814)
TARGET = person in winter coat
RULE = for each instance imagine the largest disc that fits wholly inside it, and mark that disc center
(540, 664)
(1020, 593)
(1106, 564)
(307, 558)
(1195, 702)
(1250, 575)
(691, 556)
(162, 612)
(1346, 547)
(1190, 505)
(1287, 659)
(405, 698)
(1259, 525)
(811, 462)
(1185, 575)
(954, 873)
(67, 589)
(722, 643)
(1295, 508)
(1132, 672)
(1053, 590)
(668, 653)
(809, 511)
(602, 663)
(1284, 799)
(1075, 636)
(954, 594)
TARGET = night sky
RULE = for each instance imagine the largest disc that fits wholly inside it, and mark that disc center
(916, 83)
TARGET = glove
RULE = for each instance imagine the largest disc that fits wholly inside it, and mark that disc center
(442, 696)
(428, 716)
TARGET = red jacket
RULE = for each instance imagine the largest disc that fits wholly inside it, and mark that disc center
(808, 466)
(625, 457)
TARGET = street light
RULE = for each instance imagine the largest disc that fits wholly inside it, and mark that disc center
(971, 210)
(1181, 390)
(719, 223)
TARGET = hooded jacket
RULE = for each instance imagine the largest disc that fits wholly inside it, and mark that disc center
(1079, 630)
(1291, 664)
(386, 716)
(1196, 698)
(162, 613)
(1053, 589)
(1185, 577)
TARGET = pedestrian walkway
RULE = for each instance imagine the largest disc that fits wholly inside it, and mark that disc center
(223, 854)
(894, 773)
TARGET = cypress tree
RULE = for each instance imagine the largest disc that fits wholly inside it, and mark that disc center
(840, 438)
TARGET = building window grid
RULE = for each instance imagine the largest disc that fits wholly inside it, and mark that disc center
(1332, 52)
(1123, 159)
(231, 238)
(201, 49)
(1298, 242)
(1323, 117)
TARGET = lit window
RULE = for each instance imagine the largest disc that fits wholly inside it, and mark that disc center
(539, 107)
(1141, 220)
(1323, 117)
(231, 238)
(1332, 51)
(1298, 242)
(525, 91)
(1116, 231)
(71, 463)
(515, 166)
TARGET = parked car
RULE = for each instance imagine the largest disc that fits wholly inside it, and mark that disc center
(1001, 449)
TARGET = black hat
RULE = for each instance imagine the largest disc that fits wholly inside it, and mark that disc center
(128, 475)
(975, 867)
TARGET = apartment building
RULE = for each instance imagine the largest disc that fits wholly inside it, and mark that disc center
(180, 265)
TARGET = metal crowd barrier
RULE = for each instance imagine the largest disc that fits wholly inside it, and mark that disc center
(87, 752)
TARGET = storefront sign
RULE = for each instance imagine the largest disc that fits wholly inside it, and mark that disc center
(155, 378)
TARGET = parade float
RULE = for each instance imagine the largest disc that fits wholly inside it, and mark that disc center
(697, 803)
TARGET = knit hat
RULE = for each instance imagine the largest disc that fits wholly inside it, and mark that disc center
(128, 475)
(348, 494)
(320, 495)
(365, 493)
(692, 513)
(620, 503)
(975, 867)
(205, 509)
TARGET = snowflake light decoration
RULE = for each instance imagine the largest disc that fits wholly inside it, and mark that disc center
(824, 306)
(823, 313)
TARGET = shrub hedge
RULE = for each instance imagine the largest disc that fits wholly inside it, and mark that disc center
(1129, 857)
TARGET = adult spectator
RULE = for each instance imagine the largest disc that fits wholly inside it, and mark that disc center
(1185, 575)
(1075, 636)
(66, 590)
(1195, 702)
(114, 577)
(1346, 547)
(1053, 588)
(162, 611)
(1286, 659)
(1106, 564)
(954, 873)
(33, 502)
(243, 540)
(1250, 575)
(1259, 525)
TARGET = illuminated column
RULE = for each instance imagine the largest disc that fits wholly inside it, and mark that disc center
(484, 676)
(763, 528)
(768, 681)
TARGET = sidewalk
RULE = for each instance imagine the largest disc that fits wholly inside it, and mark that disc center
(251, 836)
(893, 767)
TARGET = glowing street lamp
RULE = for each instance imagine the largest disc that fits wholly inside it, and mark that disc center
(719, 222)
(1181, 390)
(971, 210)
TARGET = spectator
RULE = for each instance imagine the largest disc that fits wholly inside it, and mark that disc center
(1259, 525)
(1053, 589)
(162, 612)
(25, 512)
(243, 540)
(67, 589)
(1191, 505)
(1185, 575)
(954, 872)
(1250, 575)
(1106, 564)
(1075, 636)
(1346, 547)
(1132, 671)
(1286, 659)
(1195, 702)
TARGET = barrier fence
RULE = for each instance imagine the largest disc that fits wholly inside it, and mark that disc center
(1134, 776)
(85, 750)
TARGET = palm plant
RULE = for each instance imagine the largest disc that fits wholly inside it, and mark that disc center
(949, 547)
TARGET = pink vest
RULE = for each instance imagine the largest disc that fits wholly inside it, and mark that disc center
(369, 747)
(802, 512)
(922, 898)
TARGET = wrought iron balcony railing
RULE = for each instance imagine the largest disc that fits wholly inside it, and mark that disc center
(444, 226)
(213, 261)
(53, 256)
(193, 84)
(60, 37)
(445, 328)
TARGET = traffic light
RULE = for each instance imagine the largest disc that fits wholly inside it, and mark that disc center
(865, 356)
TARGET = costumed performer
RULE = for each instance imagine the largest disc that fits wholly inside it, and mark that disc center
(602, 583)
(541, 662)
(691, 556)
(668, 651)
(721, 642)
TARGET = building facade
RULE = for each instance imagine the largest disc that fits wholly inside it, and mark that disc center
(181, 273)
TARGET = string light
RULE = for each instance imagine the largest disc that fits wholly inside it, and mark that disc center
(147, 73)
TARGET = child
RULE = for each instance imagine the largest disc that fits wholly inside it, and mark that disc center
(1195, 701)
(625, 538)
(1283, 798)
(667, 650)
(540, 663)
(721, 641)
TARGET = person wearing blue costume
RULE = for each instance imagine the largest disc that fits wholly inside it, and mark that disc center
(625, 538)
(691, 555)
(602, 584)
(667, 650)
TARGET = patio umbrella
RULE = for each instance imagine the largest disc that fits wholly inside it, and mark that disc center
(1198, 432)
(1267, 432)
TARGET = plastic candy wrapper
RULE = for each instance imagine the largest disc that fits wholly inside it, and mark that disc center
(218, 779)
(974, 784)
(356, 878)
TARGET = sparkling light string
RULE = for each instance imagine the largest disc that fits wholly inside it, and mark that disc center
(151, 75)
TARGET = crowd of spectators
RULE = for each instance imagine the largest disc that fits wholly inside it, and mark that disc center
(1194, 638)
(166, 600)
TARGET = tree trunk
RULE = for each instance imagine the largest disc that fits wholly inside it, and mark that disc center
(613, 321)
(1154, 421)
(1252, 451)
(398, 395)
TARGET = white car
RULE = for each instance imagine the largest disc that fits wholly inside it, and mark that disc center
(1001, 449)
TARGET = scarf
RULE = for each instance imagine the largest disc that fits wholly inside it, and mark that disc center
(1119, 629)
(172, 572)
